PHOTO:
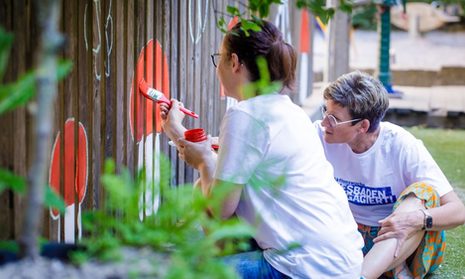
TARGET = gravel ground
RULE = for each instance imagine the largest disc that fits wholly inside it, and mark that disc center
(136, 263)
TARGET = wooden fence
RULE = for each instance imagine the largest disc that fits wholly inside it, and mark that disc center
(99, 112)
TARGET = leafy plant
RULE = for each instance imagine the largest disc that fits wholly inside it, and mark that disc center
(259, 9)
(365, 17)
(183, 229)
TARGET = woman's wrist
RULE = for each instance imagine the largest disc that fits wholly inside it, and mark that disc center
(206, 170)
(174, 130)
(208, 162)
(419, 220)
(427, 220)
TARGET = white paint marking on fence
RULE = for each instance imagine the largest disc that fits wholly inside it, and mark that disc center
(201, 21)
(150, 203)
(85, 27)
(96, 50)
(109, 41)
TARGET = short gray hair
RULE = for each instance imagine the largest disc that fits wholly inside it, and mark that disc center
(364, 96)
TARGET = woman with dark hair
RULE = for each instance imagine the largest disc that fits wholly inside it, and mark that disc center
(271, 154)
(399, 196)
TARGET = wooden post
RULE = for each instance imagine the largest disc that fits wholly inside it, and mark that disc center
(305, 56)
(338, 44)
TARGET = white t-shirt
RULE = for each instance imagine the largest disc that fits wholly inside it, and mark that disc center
(373, 180)
(267, 140)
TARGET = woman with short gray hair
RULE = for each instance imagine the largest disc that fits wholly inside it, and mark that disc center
(362, 95)
(398, 195)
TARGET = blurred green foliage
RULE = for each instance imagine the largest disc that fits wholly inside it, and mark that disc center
(183, 229)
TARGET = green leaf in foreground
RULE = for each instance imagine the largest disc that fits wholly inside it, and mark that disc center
(9, 180)
(53, 200)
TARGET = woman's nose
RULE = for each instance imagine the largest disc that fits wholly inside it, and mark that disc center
(325, 122)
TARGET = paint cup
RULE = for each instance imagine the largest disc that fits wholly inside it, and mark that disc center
(195, 135)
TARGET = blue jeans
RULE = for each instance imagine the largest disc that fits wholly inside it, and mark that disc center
(252, 265)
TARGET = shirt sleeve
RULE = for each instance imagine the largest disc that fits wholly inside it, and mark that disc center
(243, 142)
(419, 166)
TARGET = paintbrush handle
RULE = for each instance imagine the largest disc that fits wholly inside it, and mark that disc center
(159, 97)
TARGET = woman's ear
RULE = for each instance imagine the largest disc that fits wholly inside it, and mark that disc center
(235, 63)
(364, 126)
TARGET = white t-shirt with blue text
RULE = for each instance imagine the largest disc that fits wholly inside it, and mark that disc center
(374, 179)
(270, 145)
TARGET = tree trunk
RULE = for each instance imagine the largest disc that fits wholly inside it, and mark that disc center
(48, 12)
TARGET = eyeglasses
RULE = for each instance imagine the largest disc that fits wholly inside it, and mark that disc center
(214, 57)
(332, 120)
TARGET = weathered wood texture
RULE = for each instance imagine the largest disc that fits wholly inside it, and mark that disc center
(99, 113)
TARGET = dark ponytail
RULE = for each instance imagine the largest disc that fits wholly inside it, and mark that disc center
(268, 43)
(281, 61)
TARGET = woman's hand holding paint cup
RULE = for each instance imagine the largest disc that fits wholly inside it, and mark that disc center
(214, 140)
(198, 135)
(195, 147)
(195, 135)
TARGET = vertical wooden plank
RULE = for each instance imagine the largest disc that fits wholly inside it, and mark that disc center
(144, 14)
(102, 99)
(206, 87)
(139, 103)
(83, 67)
(85, 72)
(19, 132)
(60, 128)
(192, 75)
(210, 94)
(215, 88)
(223, 102)
(95, 100)
(119, 61)
(5, 14)
(215, 45)
(171, 46)
(87, 105)
(75, 88)
(184, 73)
(6, 139)
(108, 79)
(6, 198)
(69, 17)
(135, 54)
(175, 75)
(129, 75)
(156, 31)
(109, 86)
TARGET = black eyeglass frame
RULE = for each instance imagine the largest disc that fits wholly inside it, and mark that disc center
(213, 58)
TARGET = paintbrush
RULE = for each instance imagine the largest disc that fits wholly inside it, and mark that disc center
(157, 96)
